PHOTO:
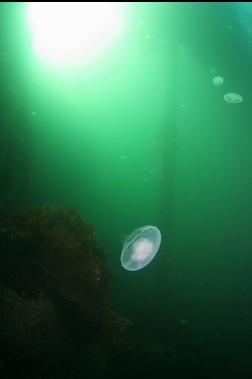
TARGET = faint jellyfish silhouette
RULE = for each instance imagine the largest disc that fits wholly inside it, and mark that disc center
(233, 98)
(140, 248)
(218, 81)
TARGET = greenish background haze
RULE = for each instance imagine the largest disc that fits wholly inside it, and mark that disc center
(142, 136)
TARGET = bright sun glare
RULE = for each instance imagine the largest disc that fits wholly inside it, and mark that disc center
(66, 33)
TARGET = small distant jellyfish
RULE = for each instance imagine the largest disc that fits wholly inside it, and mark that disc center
(233, 98)
(218, 81)
(140, 248)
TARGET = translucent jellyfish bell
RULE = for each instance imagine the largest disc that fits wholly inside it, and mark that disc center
(233, 98)
(218, 81)
(140, 248)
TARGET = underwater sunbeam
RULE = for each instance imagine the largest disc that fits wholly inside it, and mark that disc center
(68, 33)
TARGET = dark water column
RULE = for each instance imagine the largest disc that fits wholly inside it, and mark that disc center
(169, 155)
(168, 140)
(16, 138)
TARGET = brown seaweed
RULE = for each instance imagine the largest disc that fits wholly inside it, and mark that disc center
(50, 261)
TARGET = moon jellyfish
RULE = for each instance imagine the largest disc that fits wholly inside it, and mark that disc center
(218, 81)
(140, 248)
(233, 98)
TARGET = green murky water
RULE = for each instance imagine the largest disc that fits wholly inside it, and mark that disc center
(140, 135)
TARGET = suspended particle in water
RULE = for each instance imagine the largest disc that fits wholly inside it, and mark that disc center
(140, 248)
(147, 36)
(183, 321)
(213, 70)
(233, 98)
(218, 81)
(33, 114)
(230, 28)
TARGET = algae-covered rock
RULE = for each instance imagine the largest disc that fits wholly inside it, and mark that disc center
(53, 286)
